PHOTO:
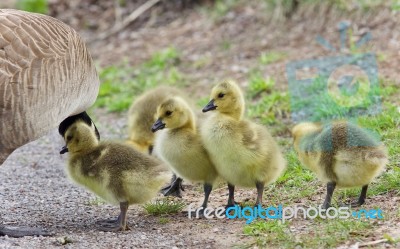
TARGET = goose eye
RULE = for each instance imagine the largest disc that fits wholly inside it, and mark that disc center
(221, 95)
(69, 137)
(168, 113)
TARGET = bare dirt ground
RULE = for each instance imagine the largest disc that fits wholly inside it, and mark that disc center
(34, 190)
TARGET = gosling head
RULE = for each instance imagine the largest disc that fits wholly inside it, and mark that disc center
(80, 137)
(226, 97)
(172, 114)
(68, 122)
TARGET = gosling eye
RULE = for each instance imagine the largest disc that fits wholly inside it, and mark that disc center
(168, 113)
(69, 137)
(221, 95)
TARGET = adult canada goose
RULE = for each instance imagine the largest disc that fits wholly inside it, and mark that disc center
(341, 154)
(114, 171)
(141, 117)
(179, 144)
(243, 152)
(46, 75)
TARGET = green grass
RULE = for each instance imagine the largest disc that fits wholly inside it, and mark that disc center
(219, 9)
(203, 102)
(286, 6)
(294, 178)
(299, 185)
(163, 220)
(322, 233)
(259, 83)
(271, 57)
(120, 84)
(269, 233)
(38, 6)
(267, 106)
(164, 206)
(325, 105)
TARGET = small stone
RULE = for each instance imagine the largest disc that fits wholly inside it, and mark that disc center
(64, 240)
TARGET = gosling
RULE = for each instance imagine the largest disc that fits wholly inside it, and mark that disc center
(116, 172)
(243, 152)
(179, 144)
(141, 116)
(341, 154)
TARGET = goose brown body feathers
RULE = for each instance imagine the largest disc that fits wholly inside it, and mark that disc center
(46, 75)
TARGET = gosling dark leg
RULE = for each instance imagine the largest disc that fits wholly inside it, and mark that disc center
(120, 224)
(200, 212)
(18, 232)
(231, 198)
(207, 191)
(174, 189)
(260, 192)
(361, 199)
(330, 187)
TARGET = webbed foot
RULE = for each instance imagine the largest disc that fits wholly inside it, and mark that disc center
(174, 189)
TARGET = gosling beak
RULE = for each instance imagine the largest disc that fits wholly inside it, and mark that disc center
(64, 150)
(210, 106)
(158, 125)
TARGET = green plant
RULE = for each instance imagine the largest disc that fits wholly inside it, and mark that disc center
(259, 84)
(164, 206)
(322, 234)
(163, 220)
(271, 57)
(38, 6)
(271, 108)
(269, 233)
(220, 8)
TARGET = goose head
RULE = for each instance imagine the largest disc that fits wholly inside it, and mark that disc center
(173, 113)
(227, 98)
(80, 137)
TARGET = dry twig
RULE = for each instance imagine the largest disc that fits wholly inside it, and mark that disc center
(132, 17)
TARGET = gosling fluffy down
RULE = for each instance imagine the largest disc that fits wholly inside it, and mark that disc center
(341, 154)
(114, 171)
(243, 152)
(179, 144)
(141, 116)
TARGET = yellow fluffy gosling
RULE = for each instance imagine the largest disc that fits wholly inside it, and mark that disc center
(341, 154)
(243, 152)
(179, 144)
(114, 171)
(141, 116)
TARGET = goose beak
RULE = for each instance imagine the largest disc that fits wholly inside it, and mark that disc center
(64, 150)
(210, 106)
(158, 125)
